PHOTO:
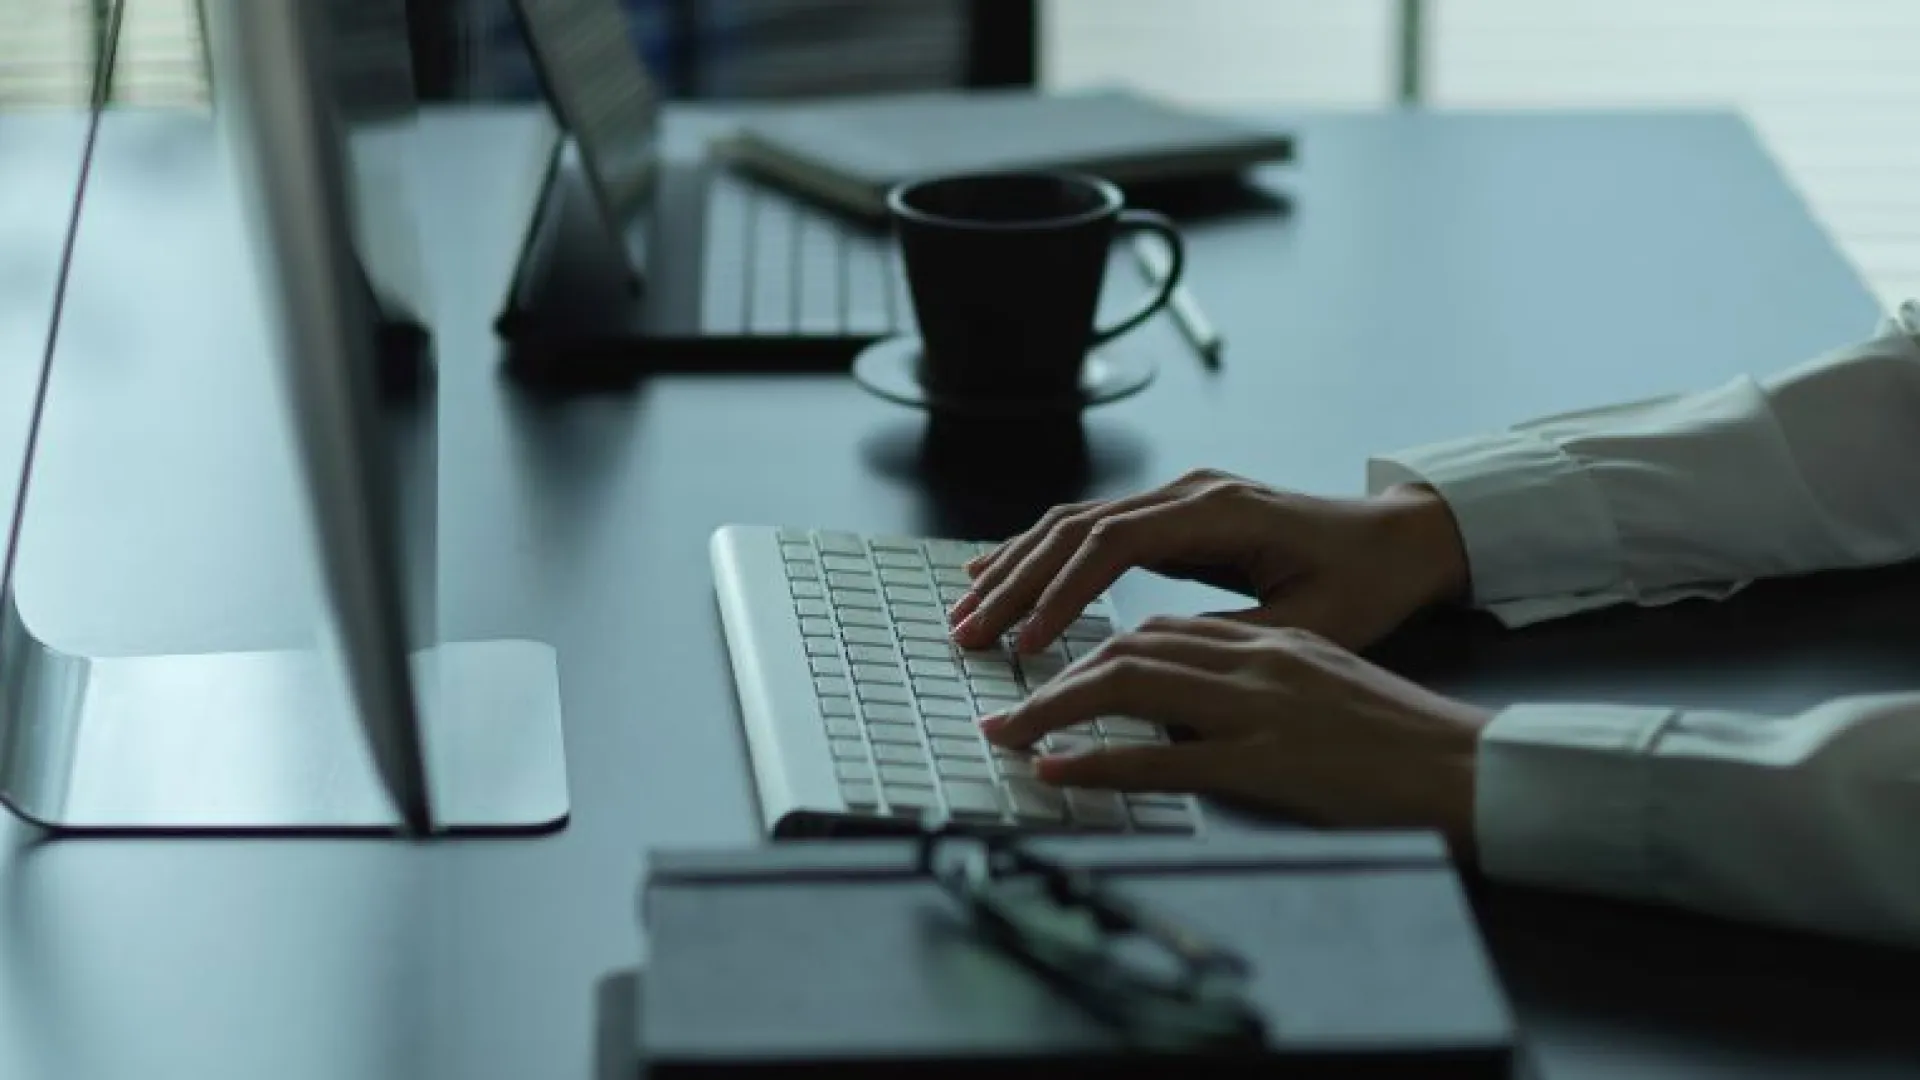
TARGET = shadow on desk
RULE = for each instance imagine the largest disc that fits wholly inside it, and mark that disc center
(1612, 982)
(992, 481)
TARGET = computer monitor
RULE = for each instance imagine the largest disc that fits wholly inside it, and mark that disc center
(391, 729)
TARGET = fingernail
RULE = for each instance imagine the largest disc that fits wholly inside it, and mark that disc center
(966, 628)
(962, 608)
(993, 722)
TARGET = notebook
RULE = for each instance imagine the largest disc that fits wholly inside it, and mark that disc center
(849, 152)
(838, 959)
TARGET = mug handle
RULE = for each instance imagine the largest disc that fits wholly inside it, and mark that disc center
(1138, 221)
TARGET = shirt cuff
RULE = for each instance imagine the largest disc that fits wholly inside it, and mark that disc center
(1538, 537)
(1563, 797)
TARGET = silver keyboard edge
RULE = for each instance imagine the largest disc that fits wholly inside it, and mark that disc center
(792, 763)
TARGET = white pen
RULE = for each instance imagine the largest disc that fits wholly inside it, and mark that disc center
(1193, 323)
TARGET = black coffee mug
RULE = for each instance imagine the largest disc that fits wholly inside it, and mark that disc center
(1006, 269)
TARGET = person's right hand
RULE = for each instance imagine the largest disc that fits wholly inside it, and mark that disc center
(1350, 570)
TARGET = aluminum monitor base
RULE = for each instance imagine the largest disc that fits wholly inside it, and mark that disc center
(247, 743)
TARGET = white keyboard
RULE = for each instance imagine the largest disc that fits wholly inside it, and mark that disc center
(861, 714)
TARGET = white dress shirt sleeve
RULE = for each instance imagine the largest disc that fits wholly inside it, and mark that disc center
(1810, 821)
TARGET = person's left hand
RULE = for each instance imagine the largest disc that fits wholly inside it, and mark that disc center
(1282, 719)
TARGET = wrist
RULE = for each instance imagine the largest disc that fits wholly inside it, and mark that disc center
(1429, 539)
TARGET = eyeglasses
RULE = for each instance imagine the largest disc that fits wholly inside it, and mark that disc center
(1157, 982)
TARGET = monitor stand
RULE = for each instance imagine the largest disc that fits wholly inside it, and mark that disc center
(266, 742)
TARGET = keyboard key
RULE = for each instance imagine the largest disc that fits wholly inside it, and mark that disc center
(830, 686)
(892, 714)
(860, 598)
(949, 554)
(989, 665)
(1126, 725)
(1038, 671)
(947, 707)
(1080, 650)
(818, 288)
(974, 800)
(898, 734)
(927, 650)
(900, 560)
(968, 749)
(851, 579)
(906, 774)
(836, 706)
(909, 796)
(945, 727)
(873, 654)
(910, 594)
(866, 297)
(866, 635)
(876, 673)
(951, 594)
(1098, 809)
(812, 609)
(1070, 744)
(958, 768)
(853, 770)
(987, 704)
(843, 728)
(919, 631)
(1015, 766)
(1136, 740)
(839, 543)
(924, 613)
(1149, 798)
(854, 563)
(872, 620)
(891, 753)
(820, 646)
(940, 688)
(998, 688)
(1161, 818)
(808, 590)
(1033, 801)
(797, 553)
(816, 628)
(848, 749)
(1089, 628)
(906, 544)
(947, 575)
(859, 795)
(896, 576)
(940, 669)
(802, 571)
(828, 665)
(793, 534)
(882, 693)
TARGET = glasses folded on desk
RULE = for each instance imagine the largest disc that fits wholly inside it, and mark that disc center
(1162, 984)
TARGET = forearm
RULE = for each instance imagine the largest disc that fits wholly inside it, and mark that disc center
(1810, 822)
(1814, 469)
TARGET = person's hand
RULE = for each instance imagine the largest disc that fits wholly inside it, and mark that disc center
(1349, 569)
(1282, 719)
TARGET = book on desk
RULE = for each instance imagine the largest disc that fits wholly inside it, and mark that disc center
(846, 959)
